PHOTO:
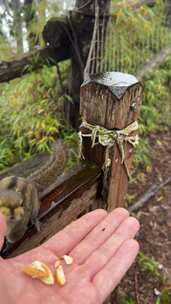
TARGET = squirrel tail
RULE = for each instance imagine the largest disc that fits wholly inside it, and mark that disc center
(54, 167)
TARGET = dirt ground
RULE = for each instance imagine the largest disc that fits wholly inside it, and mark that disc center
(140, 285)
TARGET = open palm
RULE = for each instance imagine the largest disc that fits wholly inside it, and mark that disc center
(103, 249)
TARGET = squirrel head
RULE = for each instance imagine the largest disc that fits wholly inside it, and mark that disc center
(11, 206)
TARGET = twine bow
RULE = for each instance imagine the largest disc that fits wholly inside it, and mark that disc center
(108, 138)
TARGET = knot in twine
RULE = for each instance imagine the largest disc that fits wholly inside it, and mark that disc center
(108, 138)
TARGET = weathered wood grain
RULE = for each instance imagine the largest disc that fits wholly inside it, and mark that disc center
(119, 179)
(111, 100)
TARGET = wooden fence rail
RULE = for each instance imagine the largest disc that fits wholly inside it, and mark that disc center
(66, 199)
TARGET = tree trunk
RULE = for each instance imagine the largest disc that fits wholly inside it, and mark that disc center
(30, 16)
(18, 25)
(168, 12)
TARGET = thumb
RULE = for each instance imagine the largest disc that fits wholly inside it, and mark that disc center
(2, 229)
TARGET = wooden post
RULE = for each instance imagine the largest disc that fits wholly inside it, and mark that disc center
(81, 26)
(111, 100)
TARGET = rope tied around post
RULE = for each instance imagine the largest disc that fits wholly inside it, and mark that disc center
(108, 138)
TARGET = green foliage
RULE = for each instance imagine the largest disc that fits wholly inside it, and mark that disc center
(155, 110)
(158, 301)
(165, 297)
(7, 153)
(150, 265)
(5, 49)
(128, 300)
(142, 153)
(29, 116)
(156, 102)
(135, 36)
(71, 139)
(43, 11)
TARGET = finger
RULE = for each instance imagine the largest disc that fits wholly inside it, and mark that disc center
(109, 277)
(99, 235)
(103, 254)
(69, 237)
(2, 229)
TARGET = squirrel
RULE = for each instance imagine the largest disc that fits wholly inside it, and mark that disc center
(19, 197)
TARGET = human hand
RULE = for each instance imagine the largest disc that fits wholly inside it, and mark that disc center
(103, 249)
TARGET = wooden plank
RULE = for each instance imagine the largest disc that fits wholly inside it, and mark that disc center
(66, 213)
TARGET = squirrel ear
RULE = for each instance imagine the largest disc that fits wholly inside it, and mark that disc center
(3, 229)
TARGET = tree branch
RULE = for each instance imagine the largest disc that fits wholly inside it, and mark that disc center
(32, 61)
(154, 63)
(149, 194)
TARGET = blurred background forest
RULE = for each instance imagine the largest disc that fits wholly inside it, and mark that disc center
(32, 114)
